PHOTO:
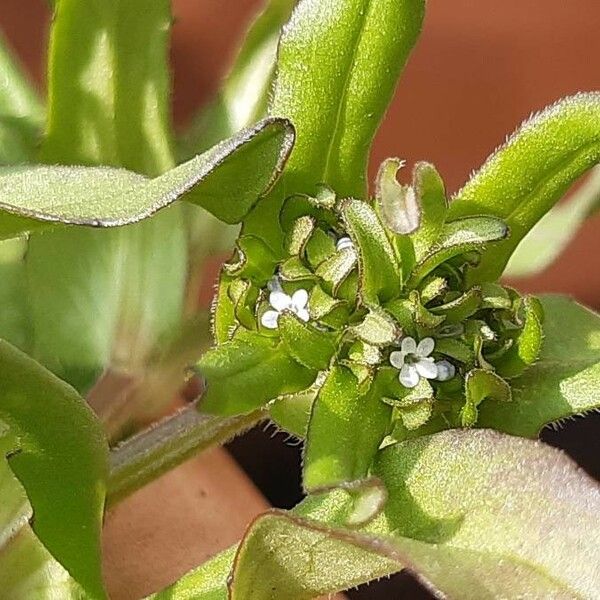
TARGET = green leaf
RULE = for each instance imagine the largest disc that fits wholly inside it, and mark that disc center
(15, 321)
(310, 347)
(247, 372)
(337, 68)
(244, 94)
(109, 85)
(291, 412)
(514, 549)
(526, 347)
(21, 112)
(227, 181)
(61, 459)
(458, 237)
(27, 569)
(379, 274)
(377, 329)
(565, 379)
(344, 432)
(555, 231)
(482, 385)
(526, 176)
(102, 300)
(338, 63)
(456, 311)
(334, 271)
(487, 513)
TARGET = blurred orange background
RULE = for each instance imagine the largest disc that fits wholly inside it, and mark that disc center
(480, 68)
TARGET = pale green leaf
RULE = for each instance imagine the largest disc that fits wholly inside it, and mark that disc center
(378, 270)
(564, 381)
(345, 430)
(526, 176)
(247, 372)
(490, 517)
(60, 456)
(227, 181)
(101, 300)
(338, 63)
(555, 231)
(109, 85)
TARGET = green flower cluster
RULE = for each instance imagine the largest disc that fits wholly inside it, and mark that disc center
(383, 291)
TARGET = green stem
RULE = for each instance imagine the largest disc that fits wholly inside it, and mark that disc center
(147, 455)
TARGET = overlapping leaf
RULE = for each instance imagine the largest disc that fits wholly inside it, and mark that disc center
(563, 382)
(337, 62)
(526, 176)
(227, 181)
(59, 454)
(21, 112)
(475, 514)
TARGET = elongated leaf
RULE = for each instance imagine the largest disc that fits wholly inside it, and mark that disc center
(345, 430)
(61, 459)
(108, 105)
(337, 63)
(244, 94)
(491, 516)
(21, 112)
(337, 68)
(379, 274)
(247, 372)
(526, 176)
(98, 299)
(458, 237)
(227, 180)
(109, 85)
(27, 569)
(15, 322)
(565, 380)
(554, 231)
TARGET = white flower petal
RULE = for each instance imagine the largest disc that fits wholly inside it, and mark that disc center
(269, 319)
(425, 347)
(409, 377)
(343, 243)
(280, 301)
(409, 346)
(397, 359)
(299, 299)
(427, 368)
(446, 370)
(303, 315)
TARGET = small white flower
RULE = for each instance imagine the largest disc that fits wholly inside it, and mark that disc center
(446, 370)
(414, 361)
(280, 301)
(343, 243)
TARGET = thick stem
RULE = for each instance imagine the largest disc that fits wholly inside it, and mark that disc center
(170, 442)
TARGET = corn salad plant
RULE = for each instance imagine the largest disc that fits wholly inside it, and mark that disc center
(369, 321)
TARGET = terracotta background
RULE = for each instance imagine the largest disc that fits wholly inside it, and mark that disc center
(481, 67)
